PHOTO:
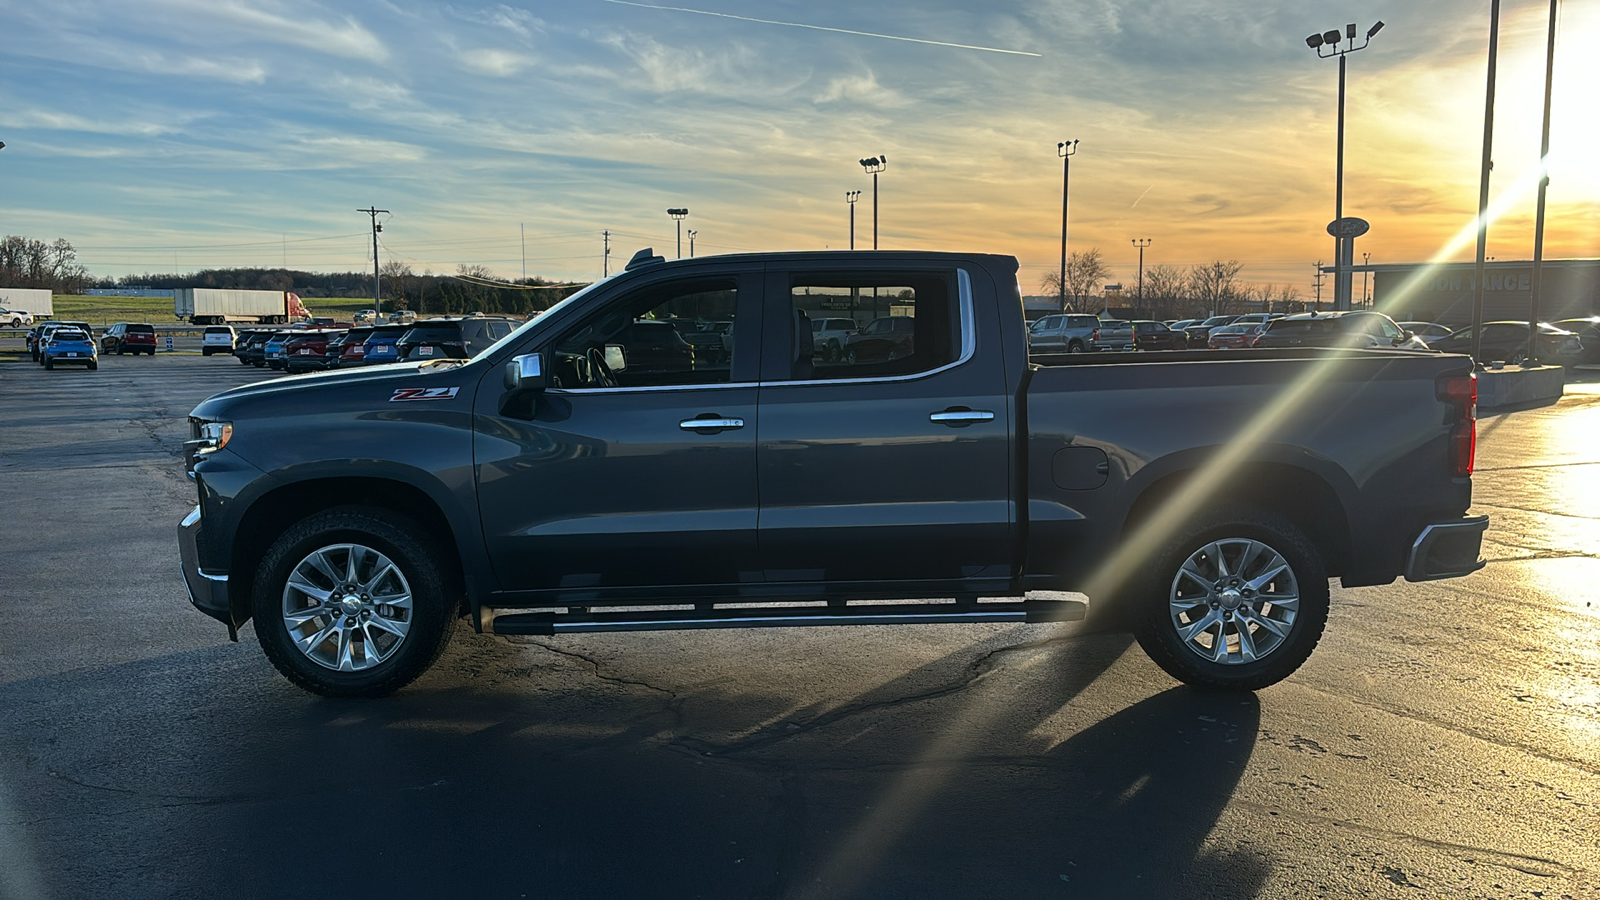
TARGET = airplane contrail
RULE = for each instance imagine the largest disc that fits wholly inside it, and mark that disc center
(887, 37)
(1140, 197)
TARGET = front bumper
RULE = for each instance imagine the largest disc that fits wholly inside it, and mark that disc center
(207, 591)
(1447, 549)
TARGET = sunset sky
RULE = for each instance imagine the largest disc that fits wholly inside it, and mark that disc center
(171, 135)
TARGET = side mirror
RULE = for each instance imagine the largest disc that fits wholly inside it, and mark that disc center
(616, 357)
(525, 373)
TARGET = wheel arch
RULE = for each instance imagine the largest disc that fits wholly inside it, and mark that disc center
(1304, 497)
(269, 515)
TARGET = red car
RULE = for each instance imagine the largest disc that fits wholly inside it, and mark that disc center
(353, 348)
(129, 337)
(1234, 337)
(308, 352)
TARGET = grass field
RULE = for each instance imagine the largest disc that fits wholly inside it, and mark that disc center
(158, 310)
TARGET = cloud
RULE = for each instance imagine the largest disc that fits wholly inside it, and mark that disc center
(495, 63)
(347, 39)
(863, 89)
(520, 22)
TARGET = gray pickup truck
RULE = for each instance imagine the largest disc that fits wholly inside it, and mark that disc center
(574, 477)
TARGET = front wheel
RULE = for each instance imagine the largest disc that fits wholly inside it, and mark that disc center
(1237, 601)
(352, 602)
(1075, 347)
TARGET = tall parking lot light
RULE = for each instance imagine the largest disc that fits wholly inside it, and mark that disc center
(692, 233)
(1141, 243)
(850, 197)
(678, 214)
(1065, 150)
(1328, 44)
(874, 165)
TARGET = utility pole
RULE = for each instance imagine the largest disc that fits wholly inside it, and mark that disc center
(1317, 266)
(692, 233)
(605, 258)
(377, 291)
(522, 230)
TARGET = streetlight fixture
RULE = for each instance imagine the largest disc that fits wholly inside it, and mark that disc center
(1065, 150)
(678, 214)
(1328, 44)
(1142, 243)
(850, 197)
(692, 233)
(873, 165)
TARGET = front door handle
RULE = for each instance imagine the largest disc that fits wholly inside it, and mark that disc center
(960, 417)
(710, 422)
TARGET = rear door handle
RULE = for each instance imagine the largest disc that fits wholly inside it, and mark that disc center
(710, 422)
(960, 417)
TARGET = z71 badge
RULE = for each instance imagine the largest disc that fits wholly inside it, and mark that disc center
(423, 394)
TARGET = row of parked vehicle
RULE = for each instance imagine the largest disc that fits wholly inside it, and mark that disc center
(1566, 342)
(308, 349)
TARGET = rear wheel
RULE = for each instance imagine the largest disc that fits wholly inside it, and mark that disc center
(48, 365)
(352, 602)
(1075, 347)
(1237, 601)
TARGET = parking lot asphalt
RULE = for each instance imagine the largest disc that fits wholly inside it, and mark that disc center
(1443, 741)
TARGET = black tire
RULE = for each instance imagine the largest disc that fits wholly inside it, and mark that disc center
(428, 628)
(205, 351)
(48, 365)
(94, 367)
(1075, 347)
(1168, 596)
(119, 349)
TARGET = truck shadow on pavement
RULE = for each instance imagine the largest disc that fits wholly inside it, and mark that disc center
(202, 773)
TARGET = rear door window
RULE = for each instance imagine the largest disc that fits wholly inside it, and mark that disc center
(912, 325)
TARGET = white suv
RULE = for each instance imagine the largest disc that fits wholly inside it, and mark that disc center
(828, 336)
(16, 318)
(217, 339)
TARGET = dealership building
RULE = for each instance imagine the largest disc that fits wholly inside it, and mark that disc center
(1570, 289)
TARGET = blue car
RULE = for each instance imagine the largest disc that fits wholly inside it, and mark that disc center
(275, 358)
(70, 345)
(381, 344)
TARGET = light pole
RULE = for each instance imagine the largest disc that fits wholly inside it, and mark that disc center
(873, 165)
(1065, 150)
(850, 197)
(1329, 41)
(1366, 272)
(692, 233)
(678, 214)
(1141, 243)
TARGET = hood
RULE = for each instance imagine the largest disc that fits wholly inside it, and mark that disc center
(304, 389)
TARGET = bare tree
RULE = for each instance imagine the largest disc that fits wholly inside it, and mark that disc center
(1084, 270)
(31, 263)
(1166, 292)
(1215, 286)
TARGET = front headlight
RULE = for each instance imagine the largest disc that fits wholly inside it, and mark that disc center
(214, 436)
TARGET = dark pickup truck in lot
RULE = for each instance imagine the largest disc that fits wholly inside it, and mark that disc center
(565, 480)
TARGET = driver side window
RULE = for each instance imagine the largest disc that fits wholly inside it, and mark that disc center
(681, 333)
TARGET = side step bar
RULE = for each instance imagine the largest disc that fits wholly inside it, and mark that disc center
(548, 623)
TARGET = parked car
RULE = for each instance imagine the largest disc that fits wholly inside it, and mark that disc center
(16, 318)
(1112, 334)
(1508, 342)
(829, 335)
(252, 347)
(349, 350)
(129, 337)
(449, 338)
(1588, 332)
(40, 333)
(655, 345)
(1345, 328)
(69, 346)
(1182, 324)
(272, 355)
(1256, 318)
(884, 338)
(1201, 330)
(1234, 336)
(307, 351)
(364, 316)
(707, 343)
(381, 346)
(1428, 332)
(1063, 333)
(1149, 335)
(402, 317)
(216, 339)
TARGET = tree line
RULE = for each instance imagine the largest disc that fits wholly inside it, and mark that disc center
(1169, 292)
(32, 263)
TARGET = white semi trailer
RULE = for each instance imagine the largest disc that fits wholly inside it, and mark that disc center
(217, 306)
(36, 304)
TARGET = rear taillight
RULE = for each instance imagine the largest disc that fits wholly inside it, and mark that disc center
(1095, 336)
(1461, 392)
